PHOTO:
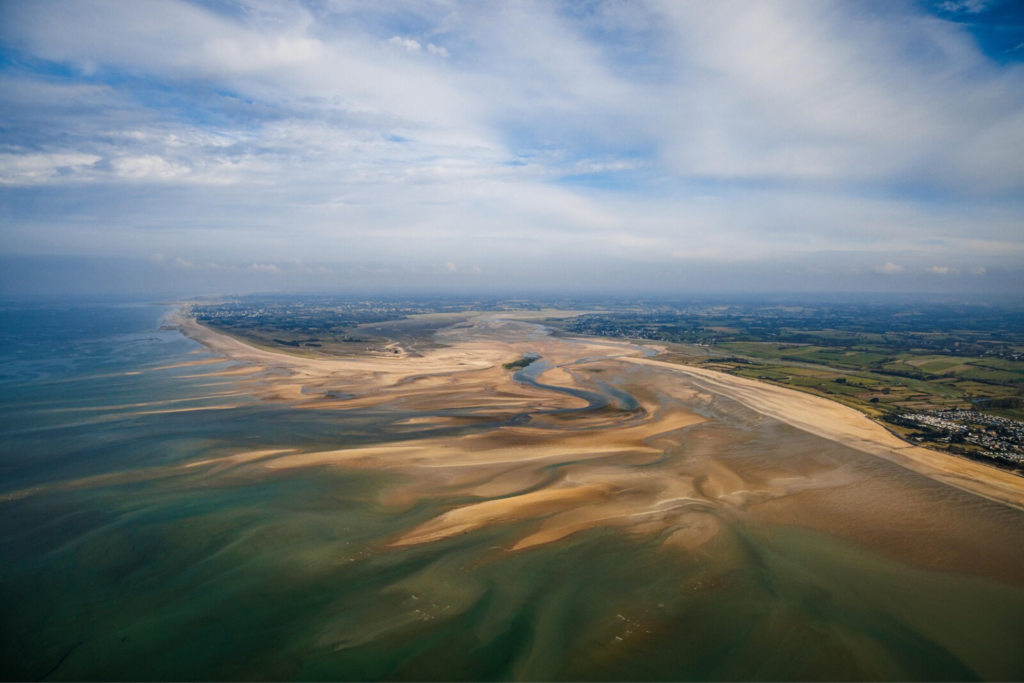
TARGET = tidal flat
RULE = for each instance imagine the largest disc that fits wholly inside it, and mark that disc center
(179, 505)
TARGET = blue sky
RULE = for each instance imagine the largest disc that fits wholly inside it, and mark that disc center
(628, 146)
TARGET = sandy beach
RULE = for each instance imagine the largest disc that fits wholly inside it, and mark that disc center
(569, 467)
(845, 425)
(599, 514)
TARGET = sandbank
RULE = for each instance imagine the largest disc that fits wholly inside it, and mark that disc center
(571, 468)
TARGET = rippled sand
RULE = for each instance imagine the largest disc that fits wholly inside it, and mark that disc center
(601, 515)
(703, 462)
(551, 458)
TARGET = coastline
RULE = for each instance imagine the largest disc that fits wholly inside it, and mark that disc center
(837, 422)
(812, 414)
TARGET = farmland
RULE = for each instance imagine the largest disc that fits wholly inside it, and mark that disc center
(885, 360)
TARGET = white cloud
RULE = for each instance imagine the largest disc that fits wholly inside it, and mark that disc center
(407, 44)
(34, 168)
(179, 263)
(240, 54)
(826, 93)
(148, 167)
(265, 268)
(889, 268)
(713, 132)
(967, 6)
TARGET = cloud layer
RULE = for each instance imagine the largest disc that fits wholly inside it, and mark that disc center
(858, 142)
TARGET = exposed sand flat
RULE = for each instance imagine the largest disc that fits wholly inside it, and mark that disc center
(837, 422)
(149, 473)
(235, 372)
(525, 506)
(239, 458)
(596, 515)
(147, 404)
(572, 467)
(503, 447)
(189, 364)
(186, 410)
(457, 377)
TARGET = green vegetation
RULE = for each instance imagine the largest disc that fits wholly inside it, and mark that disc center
(884, 360)
(522, 362)
(343, 326)
(900, 381)
(881, 359)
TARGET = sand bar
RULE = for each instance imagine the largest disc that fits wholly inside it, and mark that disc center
(843, 424)
(572, 467)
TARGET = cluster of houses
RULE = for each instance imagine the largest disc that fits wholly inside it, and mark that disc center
(1000, 437)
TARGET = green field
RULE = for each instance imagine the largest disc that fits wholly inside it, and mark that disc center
(875, 382)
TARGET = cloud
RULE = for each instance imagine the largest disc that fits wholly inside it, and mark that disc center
(792, 134)
(413, 46)
(179, 263)
(476, 270)
(940, 270)
(33, 168)
(833, 94)
(148, 167)
(889, 268)
(966, 6)
(407, 44)
(265, 268)
(978, 271)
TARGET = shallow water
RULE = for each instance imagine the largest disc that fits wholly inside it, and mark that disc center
(163, 572)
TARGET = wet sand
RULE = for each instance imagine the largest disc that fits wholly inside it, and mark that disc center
(546, 457)
(834, 421)
(598, 515)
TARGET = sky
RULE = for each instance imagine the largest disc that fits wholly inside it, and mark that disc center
(235, 146)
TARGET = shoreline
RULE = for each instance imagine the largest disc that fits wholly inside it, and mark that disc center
(809, 413)
(840, 423)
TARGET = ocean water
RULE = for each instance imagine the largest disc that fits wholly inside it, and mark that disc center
(122, 563)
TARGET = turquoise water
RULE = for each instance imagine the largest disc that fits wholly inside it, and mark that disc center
(121, 565)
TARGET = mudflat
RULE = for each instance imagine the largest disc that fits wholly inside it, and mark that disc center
(555, 451)
(598, 514)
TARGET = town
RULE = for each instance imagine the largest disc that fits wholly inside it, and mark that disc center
(994, 437)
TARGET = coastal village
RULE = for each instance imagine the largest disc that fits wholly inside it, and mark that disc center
(994, 437)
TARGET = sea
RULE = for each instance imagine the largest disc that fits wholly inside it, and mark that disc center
(119, 561)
